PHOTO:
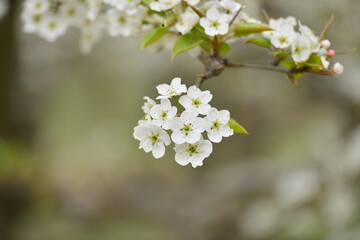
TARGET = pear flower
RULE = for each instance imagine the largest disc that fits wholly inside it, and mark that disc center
(301, 49)
(37, 7)
(152, 138)
(215, 23)
(194, 153)
(51, 28)
(196, 100)
(163, 5)
(163, 112)
(217, 125)
(187, 128)
(230, 7)
(174, 89)
(187, 21)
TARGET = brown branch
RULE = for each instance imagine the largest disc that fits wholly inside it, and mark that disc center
(326, 27)
(237, 13)
(257, 66)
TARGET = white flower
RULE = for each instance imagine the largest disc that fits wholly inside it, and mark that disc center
(37, 6)
(284, 37)
(152, 138)
(128, 5)
(163, 5)
(163, 112)
(121, 24)
(187, 21)
(217, 125)
(338, 68)
(31, 22)
(196, 100)
(187, 128)
(192, 2)
(301, 49)
(90, 34)
(313, 39)
(52, 27)
(324, 57)
(72, 12)
(94, 8)
(215, 23)
(231, 7)
(278, 24)
(193, 153)
(148, 105)
(175, 88)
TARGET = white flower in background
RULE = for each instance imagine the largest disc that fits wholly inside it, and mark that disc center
(230, 8)
(121, 5)
(90, 34)
(193, 153)
(313, 39)
(121, 23)
(31, 22)
(163, 5)
(163, 112)
(187, 21)
(148, 105)
(297, 187)
(187, 128)
(217, 125)
(94, 8)
(37, 7)
(215, 23)
(4, 7)
(52, 27)
(193, 2)
(72, 12)
(301, 49)
(152, 138)
(325, 43)
(174, 89)
(338, 68)
(196, 100)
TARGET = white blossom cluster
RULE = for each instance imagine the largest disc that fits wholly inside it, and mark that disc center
(302, 43)
(4, 6)
(50, 19)
(185, 126)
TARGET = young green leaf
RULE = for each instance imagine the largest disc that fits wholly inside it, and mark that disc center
(153, 36)
(260, 41)
(186, 42)
(234, 125)
(224, 49)
(244, 29)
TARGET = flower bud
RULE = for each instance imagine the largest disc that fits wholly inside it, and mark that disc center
(325, 43)
(331, 53)
(338, 68)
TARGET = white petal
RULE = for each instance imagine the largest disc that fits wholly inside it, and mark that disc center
(194, 92)
(214, 136)
(185, 101)
(206, 97)
(158, 150)
(193, 137)
(199, 125)
(146, 144)
(182, 158)
(178, 137)
(188, 116)
(224, 116)
(206, 148)
(226, 131)
(204, 109)
(163, 89)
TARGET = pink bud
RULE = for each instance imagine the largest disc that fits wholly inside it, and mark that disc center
(338, 68)
(331, 53)
(325, 43)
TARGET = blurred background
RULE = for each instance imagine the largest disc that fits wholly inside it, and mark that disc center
(70, 168)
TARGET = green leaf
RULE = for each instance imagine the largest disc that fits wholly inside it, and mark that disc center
(314, 61)
(224, 48)
(186, 42)
(153, 36)
(289, 64)
(260, 41)
(244, 29)
(234, 125)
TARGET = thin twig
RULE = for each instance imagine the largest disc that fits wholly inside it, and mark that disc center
(257, 66)
(266, 16)
(197, 11)
(346, 51)
(237, 13)
(327, 26)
